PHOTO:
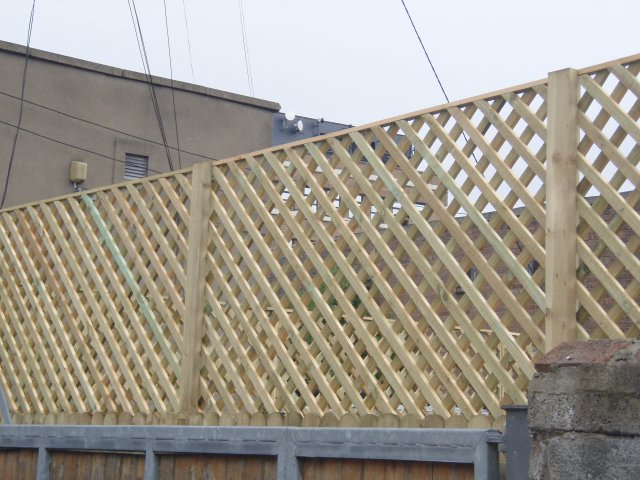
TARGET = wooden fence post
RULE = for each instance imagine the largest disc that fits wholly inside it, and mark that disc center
(199, 214)
(561, 185)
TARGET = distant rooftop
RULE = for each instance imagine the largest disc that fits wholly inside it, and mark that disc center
(137, 76)
(297, 127)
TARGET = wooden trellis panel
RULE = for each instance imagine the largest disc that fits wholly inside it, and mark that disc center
(608, 201)
(391, 274)
(356, 274)
(91, 300)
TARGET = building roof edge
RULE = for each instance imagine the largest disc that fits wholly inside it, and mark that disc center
(137, 76)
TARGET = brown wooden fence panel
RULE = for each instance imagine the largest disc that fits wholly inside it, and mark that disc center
(391, 274)
(18, 464)
(345, 469)
(219, 467)
(73, 465)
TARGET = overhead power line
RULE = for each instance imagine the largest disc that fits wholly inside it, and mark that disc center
(173, 94)
(147, 70)
(82, 149)
(24, 83)
(425, 52)
(245, 44)
(424, 49)
(186, 25)
(105, 127)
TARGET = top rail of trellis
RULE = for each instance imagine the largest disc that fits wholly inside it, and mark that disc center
(405, 272)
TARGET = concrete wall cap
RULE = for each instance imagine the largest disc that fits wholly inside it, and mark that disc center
(593, 352)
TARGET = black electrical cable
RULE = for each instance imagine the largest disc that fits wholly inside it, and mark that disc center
(24, 83)
(147, 69)
(186, 24)
(425, 52)
(99, 125)
(245, 44)
(82, 149)
(173, 95)
(424, 49)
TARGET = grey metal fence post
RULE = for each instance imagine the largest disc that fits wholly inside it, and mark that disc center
(485, 461)
(288, 467)
(43, 469)
(150, 465)
(517, 441)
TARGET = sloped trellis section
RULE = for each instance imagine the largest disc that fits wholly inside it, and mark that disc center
(389, 274)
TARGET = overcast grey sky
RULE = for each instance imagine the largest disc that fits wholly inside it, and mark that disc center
(351, 61)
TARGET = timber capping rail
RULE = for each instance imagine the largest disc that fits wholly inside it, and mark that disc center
(400, 274)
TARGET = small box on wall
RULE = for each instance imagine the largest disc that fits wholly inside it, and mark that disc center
(78, 172)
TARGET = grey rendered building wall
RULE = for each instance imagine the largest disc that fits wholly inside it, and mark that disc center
(211, 122)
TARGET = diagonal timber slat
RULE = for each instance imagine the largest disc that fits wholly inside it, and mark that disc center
(150, 256)
(366, 377)
(259, 310)
(460, 275)
(128, 294)
(383, 287)
(36, 388)
(480, 222)
(70, 314)
(609, 164)
(36, 293)
(111, 322)
(472, 331)
(38, 362)
(310, 363)
(300, 308)
(412, 329)
(326, 313)
(233, 286)
(444, 336)
(344, 268)
(69, 259)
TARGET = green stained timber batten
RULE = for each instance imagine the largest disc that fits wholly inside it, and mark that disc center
(143, 303)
